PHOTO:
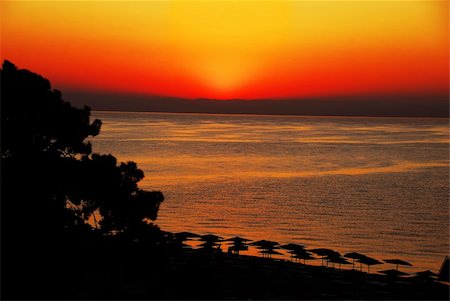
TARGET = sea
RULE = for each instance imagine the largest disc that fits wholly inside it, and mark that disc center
(377, 186)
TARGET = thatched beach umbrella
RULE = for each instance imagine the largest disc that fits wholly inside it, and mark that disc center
(426, 276)
(181, 237)
(302, 254)
(338, 259)
(397, 262)
(354, 255)
(369, 261)
(237, 238)
(239, 244)
(237, 248)
(210, 237)
(270, 252)
(210, 241)
(208, 245)
(292, 248)
(324, 253)
(426, 273)
(265, 245)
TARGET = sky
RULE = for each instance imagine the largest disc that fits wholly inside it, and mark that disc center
(233, 49)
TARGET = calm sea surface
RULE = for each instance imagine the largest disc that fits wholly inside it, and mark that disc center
(378, 186)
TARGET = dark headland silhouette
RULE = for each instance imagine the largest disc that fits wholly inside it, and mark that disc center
(424, 105)
(75, 225)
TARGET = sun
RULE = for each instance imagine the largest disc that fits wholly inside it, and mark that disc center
(224, 76)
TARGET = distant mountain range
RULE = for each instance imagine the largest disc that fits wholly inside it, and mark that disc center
(401, 106)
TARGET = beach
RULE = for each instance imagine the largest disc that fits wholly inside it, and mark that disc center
(195, 274)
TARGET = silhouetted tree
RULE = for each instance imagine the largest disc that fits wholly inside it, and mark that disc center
(36, 119)
(52, 184)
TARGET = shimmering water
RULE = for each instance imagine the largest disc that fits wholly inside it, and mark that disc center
(378, 186)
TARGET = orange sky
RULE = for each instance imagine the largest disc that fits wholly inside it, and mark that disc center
(232, 49)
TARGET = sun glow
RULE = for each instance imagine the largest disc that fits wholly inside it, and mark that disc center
(228, 43)
(223, 76)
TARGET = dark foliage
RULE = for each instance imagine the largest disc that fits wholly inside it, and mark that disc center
(59, 202)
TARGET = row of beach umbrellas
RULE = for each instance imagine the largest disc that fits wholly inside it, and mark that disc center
(297, 252)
